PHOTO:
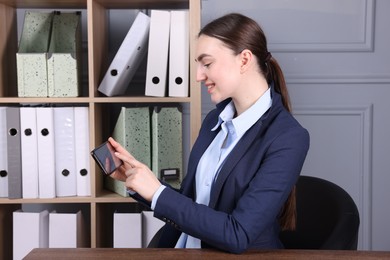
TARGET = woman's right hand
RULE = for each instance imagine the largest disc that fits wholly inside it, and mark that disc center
(120, 173)
(137, 176)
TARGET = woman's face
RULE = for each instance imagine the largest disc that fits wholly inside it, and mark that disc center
(218, 68)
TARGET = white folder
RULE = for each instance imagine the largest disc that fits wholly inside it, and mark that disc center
(150, 226)
(83, 173)
(46, 152)
(65, 173)
(13, 153)
(157, 66)
(29, 148)
(128, 58)
(127, 230)
(30, 230)
(179, 51)
(3, 154)
(66, 230)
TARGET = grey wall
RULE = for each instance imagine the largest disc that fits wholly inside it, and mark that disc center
(336, 59)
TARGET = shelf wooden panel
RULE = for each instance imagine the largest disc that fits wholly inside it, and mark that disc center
(106, 197)
(144, 4)
(40, 100)
(141, 100)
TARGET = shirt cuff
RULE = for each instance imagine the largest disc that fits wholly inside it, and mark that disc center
(131, 192)
(156, 196)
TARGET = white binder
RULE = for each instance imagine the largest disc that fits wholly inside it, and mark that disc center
(150, 226)
(127, 230)
(13, 153)
(83, 173)
(157, 66)
(65, 173)
(3, 154)
(66, 230)
(46, 152)
(179, 51)
(128, 58)
(29, 149)
(30, 230)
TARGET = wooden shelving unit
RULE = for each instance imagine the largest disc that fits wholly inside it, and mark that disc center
(101, 202)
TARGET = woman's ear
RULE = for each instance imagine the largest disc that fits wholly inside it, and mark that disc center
(246, 59)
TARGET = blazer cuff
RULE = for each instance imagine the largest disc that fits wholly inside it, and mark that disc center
(156, 196)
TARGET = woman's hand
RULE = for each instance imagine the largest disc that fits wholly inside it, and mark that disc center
(137, 176)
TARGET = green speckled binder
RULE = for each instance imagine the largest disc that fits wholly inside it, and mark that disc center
(63, 62)
(167, 151)
(132, 131)
(48, 59)
(32, 54)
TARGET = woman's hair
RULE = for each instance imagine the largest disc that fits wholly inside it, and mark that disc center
(239, 32)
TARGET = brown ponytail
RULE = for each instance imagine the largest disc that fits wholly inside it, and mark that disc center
(239, 32)
(274, 73)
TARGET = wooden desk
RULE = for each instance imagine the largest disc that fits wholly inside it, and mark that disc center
(188, 254)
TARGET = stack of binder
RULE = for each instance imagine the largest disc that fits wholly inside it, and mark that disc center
(168, 44)
(153, 135)
(165, 37)
(132, 131)
(48, 59)
(47, 230)
(45, 152)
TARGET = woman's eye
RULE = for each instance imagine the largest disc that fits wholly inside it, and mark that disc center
(207, 65)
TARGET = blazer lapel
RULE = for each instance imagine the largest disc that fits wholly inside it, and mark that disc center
(233, 158)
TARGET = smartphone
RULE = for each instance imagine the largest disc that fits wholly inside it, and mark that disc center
(105, 158)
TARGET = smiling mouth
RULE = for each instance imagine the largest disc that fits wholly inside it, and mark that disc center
(210, 87)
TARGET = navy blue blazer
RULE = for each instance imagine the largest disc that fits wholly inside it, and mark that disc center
(250, 190)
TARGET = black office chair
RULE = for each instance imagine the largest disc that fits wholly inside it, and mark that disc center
(154, 242)
(327, 217)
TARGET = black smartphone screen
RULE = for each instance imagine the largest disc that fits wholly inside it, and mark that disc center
(105, 158)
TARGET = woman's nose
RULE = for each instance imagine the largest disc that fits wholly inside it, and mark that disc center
(200, 75)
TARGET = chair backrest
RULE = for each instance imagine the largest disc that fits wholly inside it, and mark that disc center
(327, 217)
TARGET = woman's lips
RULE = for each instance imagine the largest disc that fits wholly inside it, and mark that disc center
(210, 87)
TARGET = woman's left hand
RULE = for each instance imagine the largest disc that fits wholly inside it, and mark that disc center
(139, 177)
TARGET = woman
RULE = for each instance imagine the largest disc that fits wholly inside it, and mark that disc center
(247, 158)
